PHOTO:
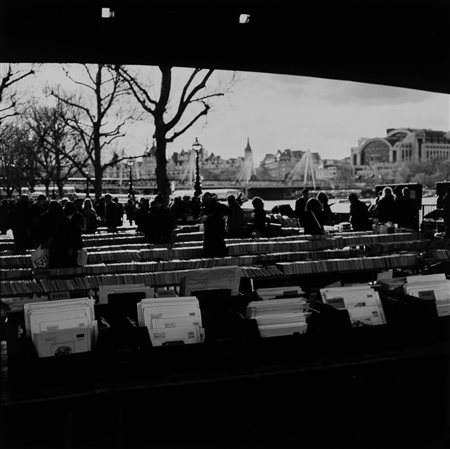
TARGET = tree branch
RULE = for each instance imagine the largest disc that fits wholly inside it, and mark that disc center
(200, 114)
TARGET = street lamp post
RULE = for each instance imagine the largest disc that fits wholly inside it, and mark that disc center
(130, 191)
(196, 146)
(87, 184)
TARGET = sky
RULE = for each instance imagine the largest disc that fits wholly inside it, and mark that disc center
(277, 112)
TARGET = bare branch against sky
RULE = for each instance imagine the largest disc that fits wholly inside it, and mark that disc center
(281, 111)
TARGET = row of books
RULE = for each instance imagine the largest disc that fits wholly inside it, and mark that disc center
(124, 252)
(408, 245)
(174, 277)
(350, 264)
(218, 277)
(362, 303)
(61, 327)
(172, 320)
(281, 311)
(433, 287)
(176, 264)
(261, 272)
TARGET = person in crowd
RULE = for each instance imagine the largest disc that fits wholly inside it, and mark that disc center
(187, 208)
(120, 211)
(385, 209)
(373, 206)
(159, 222)
(235, 221)
(207, 205)
(406, 210)
(312, 223)
(300, 206)
(359, 214)
(214, 235)
(38, 208)
(21, 224)
(260, 222)
(130, 210)
(100, 210)
(73, 215)
(141, 213)
(89, 217)
(195, 207)
(328, 217)
(62, 237)
(79, 202)
(177, 209)
(240, 199)
(446, 214)
(5, 217)
(112, 213)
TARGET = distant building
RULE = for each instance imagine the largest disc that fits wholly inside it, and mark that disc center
(402, 145)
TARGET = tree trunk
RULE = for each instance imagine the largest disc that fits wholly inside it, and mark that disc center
(98, 170)
(47, 187)
(60, 189)
(162, 180)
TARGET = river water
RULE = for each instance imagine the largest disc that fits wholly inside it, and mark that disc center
(337, 205)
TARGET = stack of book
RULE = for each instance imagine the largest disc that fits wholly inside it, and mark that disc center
(172, 320)
(61, 327)
(279, 292)
(361, 301)
(434, 287)
(281, 312)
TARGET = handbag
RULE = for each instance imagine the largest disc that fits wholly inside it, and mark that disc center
(40, 257)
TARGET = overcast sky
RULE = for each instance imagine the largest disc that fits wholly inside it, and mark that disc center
(279, 111)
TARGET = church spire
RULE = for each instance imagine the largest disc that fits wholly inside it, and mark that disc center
(248, 149)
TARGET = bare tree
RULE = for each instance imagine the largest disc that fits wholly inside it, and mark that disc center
(58, 153)
(99, 121)
(16, 167)
(10, 75)
(170, 126)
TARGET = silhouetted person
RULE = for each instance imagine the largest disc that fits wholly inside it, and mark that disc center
(214, 235)
(5, 217)
(235, 221)
(177, 208)
(359, 214)
(130, 210)
(300, 206)
(312, 219)
(385, 208)
(62, 237)
(259, 218)
(141, 213)
(21, 224)
(120, 211)
(112, 213)
(159, 223)
(73, 215)
(89, 217)
(328, 217)
(195, 207)
(207, 203)
(100, 209)
(446, 215)
(406, 210)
